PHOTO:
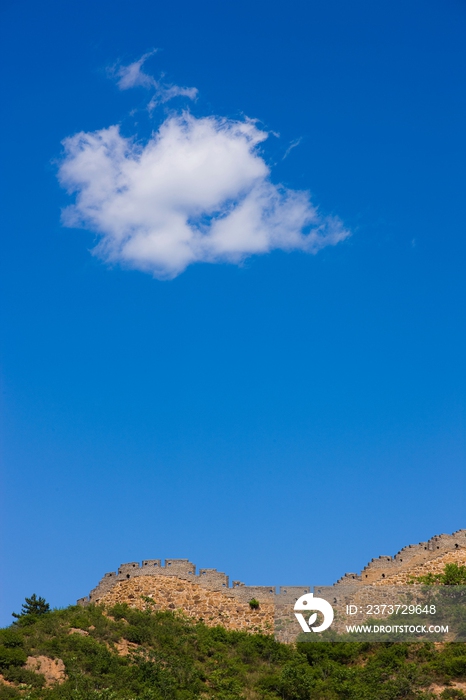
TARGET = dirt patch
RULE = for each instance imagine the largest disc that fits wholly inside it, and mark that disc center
(76, 630)
(53, 670)
(454, 685)
(4, 681)
(124, 647)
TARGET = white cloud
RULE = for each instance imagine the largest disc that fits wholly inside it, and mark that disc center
(133, 75)
(292, 145)
(197, 191)
(164, 93)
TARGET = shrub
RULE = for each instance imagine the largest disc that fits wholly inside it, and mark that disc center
(452, 694)
(8, 693)
(16, 674)
(12, 657)
(10, 639)
(452, 575)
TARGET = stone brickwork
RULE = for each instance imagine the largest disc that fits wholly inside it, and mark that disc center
(183, 569)
(212, 607)
(208, 594)
(414, 557)
(434, 566)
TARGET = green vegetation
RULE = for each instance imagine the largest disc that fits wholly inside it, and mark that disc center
(173, 658)
(254, 604)
(452, 575)
(32, 607)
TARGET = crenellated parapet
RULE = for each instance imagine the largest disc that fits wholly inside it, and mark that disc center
(183, 569)
(414, 555)
(377, 570)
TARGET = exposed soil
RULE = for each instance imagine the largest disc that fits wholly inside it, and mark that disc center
(53, 670)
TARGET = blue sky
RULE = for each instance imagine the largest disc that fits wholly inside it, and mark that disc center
(241, 337)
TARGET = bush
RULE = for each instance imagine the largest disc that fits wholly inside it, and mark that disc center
(16, 674)
(137, 635)
(8, 693)
(452, 575)
(12, 657)
(10, 639)
(179, 659)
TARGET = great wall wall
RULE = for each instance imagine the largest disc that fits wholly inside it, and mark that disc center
(386, 570)
(207, 595)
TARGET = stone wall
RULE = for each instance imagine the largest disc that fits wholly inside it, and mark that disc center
(414, 556)
(183, 569)
(433, 566)
(208, 594)
(212, 607)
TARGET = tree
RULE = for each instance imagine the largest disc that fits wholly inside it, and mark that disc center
(33, 606)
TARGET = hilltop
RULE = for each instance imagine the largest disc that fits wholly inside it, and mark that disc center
(208, 595)
(154, 632)
(120, 653)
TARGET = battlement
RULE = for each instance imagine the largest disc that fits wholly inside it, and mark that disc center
(210, 579)
(152, 562)
(412, 555)
(349, 578)
(377, 569)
